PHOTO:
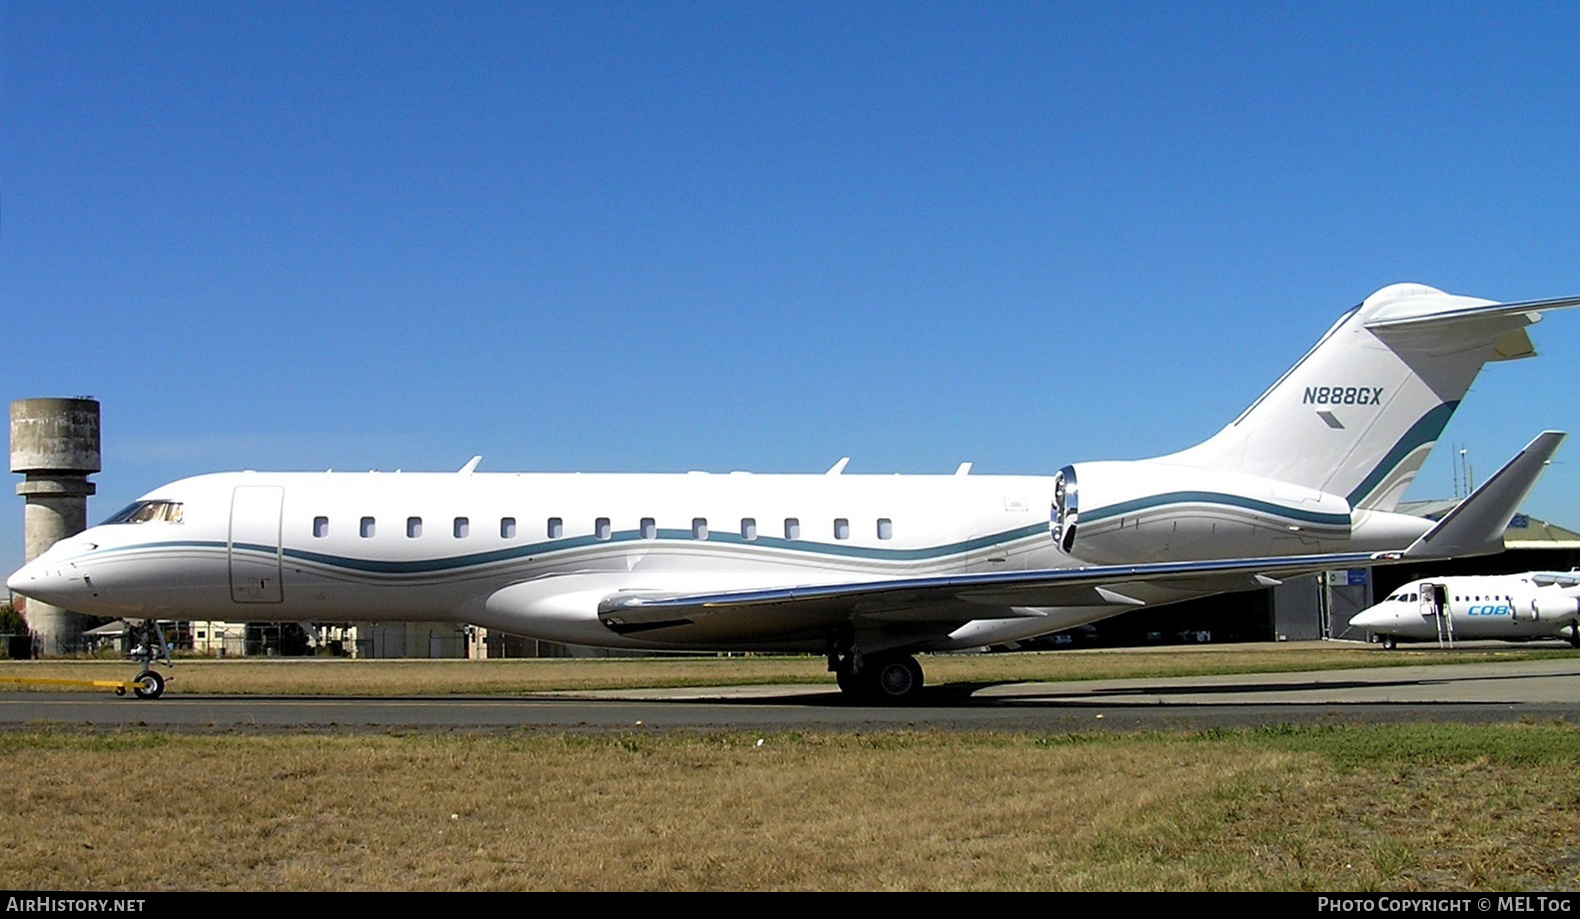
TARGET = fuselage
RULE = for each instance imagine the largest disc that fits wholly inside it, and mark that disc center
(1513, 607)
(533, 554)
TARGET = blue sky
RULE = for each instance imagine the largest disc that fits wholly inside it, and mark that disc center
(665, 236)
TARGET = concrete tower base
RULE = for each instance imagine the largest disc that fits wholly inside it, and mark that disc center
(55, 443)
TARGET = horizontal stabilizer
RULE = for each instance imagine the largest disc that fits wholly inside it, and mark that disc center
(1427, 311)
(1475, 526)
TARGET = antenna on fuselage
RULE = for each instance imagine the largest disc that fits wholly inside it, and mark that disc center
(838, 467)
(471, 465)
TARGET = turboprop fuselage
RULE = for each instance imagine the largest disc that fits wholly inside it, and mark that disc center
(1505, 607)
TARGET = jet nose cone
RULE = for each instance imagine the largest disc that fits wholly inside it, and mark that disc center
(1368, 618)
(46, 582)
(23, 578)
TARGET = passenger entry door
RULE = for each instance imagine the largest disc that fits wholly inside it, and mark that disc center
(254, 546)
(1434, 606)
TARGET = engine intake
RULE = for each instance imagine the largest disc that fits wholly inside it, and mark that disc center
(1066, 509)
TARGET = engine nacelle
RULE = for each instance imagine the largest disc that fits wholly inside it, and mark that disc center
(1550, 604)
(1127, 512)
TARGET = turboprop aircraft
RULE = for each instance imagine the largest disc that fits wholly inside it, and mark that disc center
(1509, 607)
(867, 570)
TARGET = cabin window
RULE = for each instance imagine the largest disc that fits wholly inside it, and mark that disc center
(507, 528)
(366, 528)
(699, 528)
(885, 528)
(649, 528)
(748, 528)
(413, 527)
(556, 528)
(601, 528)
(463, 527)
(792, 528)
(320, 527)
(841, 528)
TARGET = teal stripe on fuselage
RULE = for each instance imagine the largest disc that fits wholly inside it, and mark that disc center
(1208, 497)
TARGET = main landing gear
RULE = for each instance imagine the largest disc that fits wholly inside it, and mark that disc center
(883, 679)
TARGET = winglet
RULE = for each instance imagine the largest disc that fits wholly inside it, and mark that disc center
(1475, 526)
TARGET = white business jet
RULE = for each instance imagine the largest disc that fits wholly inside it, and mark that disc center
(868, 570)
(1508, 607)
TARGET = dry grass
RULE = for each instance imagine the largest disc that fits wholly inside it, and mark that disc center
(326, 676)
(1353, 808)
(1434, 808)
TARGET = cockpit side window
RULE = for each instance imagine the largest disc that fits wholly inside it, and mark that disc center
(147, 512)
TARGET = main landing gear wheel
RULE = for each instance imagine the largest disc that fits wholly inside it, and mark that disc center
(1389, 642)
(897, 681)
(150, 685)
(881, 680)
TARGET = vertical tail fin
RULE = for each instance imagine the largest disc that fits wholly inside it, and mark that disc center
(1357, 416)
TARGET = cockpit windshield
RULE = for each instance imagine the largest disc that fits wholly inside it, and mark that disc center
(147, 512)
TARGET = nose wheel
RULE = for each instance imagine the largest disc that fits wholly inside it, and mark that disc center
(150, 685)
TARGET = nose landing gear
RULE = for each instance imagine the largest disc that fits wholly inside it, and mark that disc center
(149, 684)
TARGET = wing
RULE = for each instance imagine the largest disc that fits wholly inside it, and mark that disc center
(1556, 578)
(937, 605)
